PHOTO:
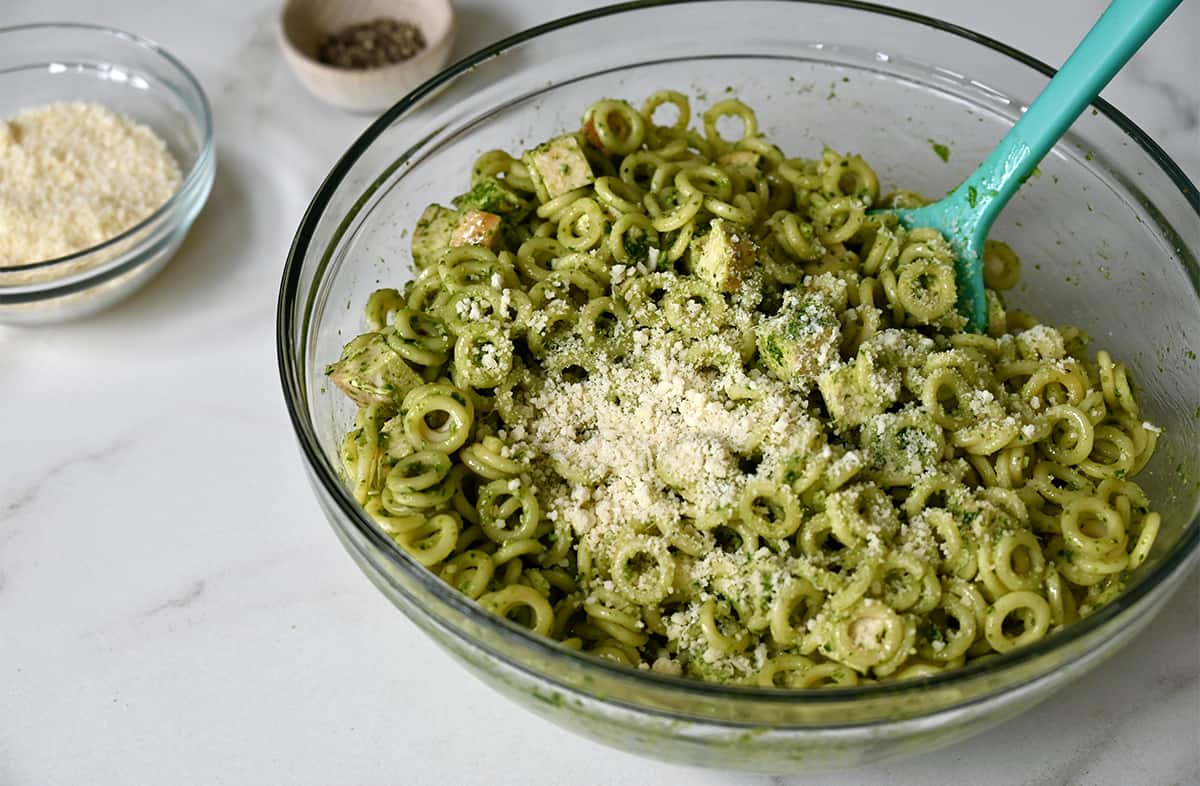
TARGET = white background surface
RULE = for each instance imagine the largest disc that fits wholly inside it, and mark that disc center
(174, 608)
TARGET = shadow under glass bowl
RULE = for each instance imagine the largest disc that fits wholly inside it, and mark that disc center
(46, 63)
(1107, 233)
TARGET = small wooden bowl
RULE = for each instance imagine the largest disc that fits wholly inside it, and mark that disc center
(304, 23)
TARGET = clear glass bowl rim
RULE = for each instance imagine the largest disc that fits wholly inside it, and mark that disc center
(194, 173)
(1184, 551)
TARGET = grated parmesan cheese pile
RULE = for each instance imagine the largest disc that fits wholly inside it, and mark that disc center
(73, 175)
(626, 428)
(613, 448)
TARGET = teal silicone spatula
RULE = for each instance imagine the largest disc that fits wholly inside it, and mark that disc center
(966, 215)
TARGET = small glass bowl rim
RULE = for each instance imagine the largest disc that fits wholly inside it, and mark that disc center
(1185, 550)
(203, 119)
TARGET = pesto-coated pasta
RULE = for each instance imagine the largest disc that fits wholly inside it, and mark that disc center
(674, 398)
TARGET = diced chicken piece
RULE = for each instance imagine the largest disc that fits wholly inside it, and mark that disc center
(493, 196)
(558, 166)
(801, 341)
(370, 371)
(723, 255)
(899, 447)
(859, 390)
(476, 228)
(432, 234)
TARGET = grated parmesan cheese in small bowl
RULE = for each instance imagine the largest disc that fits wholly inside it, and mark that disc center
(100, 182)
(74, 175)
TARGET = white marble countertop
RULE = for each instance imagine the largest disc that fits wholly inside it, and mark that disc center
(173, 606)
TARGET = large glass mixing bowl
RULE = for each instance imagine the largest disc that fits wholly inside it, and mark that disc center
(1108, 232)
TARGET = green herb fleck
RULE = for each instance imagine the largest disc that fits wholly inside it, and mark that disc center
(942, 151)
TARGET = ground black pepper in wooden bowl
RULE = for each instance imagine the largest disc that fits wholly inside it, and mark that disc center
(372, 44)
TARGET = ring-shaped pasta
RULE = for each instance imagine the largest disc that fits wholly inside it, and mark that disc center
(1035, 618)
(1114, 382)
(952, 633)
(491, 163)
(1058, 484)
(1145, 540)
(535, 255)
(730, 107)
(902, 580)
(709, 181)
(581, 225)
(850, 176)
(483, 354)
(1112, 454)
(553, 323)
(783, 671)
(715, 636)
(419, 471)
(1056, 384)
(469, 572)
(633, 240)
(693, 308)
(1001, 267)
(769, 509)
(870, 634)
(598, 322)
(615, 127)
(502, 500)
(643, 570)
(487, 458)
(1075, 444)
(794, 237)
(1092, 528)
(1063, 609)
(792, 608)
(451, 412)
(676, 99)
(686, 537)
(638, 169)
(400, 499)
(504, 602)
(857, 586)
(413, 351)
(741, 209)
(574, 286)
(380, 305)
(424, 330)
(617, 195)
(392, 525)
(433, 541)
(510, 552)
(552, 209)
(944, 394)
(986, 437)
(827, 675)
(926, 290)
(1018, 562)
(838, 220)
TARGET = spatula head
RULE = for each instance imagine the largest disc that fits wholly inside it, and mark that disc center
(962, 231)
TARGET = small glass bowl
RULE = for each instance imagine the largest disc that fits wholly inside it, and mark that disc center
(45, 63)
(1107, 233)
